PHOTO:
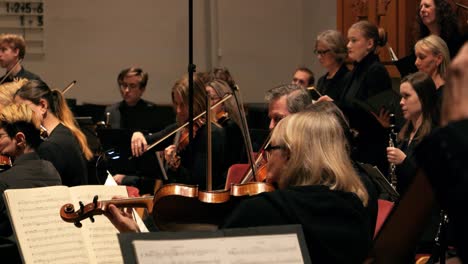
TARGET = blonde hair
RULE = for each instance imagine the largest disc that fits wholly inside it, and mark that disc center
(36, 90)
(8, 90)
(16, 118)
(437, 46)
(317, 153)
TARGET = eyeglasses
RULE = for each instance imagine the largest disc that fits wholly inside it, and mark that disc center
(269, 148)
(321, 52)
(130, 86)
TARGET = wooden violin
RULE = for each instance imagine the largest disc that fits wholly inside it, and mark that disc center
(260, 172)
(203, 210)
(68, 213)
(5, 162)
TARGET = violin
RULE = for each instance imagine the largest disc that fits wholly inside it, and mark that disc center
(68, 213)
(221, 117)
(204, 210)
(5, 162)
(259, 166)
(181, 142)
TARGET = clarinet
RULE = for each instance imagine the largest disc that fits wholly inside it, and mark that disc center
(391, 143)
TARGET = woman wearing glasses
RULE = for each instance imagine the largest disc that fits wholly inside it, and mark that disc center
(317, 188)
(330, 48)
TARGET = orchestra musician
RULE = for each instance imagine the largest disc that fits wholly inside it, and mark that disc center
(418, 98)
(133, 112)
(433, 58)
(442, 155)
(284, 100)
(227, 115)
(12, 51)
(19, 139)
(437, 17)
(331, 109)
(330, 48)
(318, 189)
(368, 78)
(418, 95)
(303, 76)
(180, 168)
(66, 146)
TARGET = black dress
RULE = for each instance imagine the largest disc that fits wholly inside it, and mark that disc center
(62, 149)
(335, 223)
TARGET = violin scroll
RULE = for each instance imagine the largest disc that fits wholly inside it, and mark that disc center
(68, 213)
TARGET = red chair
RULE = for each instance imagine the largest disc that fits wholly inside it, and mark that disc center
(235, 174)
(385, 207)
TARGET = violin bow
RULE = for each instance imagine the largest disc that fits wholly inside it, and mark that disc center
(10, 71)
(69, 87)
(226, 97)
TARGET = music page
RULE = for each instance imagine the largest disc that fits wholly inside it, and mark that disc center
(238, 249)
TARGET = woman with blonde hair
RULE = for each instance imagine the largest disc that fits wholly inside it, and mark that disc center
(433, 58)
(317, 188)
(8, 90)
(66, 146)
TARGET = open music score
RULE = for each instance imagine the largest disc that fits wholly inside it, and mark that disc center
(43, 237)
(267, 248)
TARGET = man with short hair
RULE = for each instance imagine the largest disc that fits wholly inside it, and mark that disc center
(284, 100)
(133, 112)
(304, 77)
(12, 51)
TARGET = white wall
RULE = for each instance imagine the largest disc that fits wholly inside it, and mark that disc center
(260, 41)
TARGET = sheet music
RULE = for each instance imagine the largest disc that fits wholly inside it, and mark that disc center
(100, 235)
(238, 249)
(50, 240)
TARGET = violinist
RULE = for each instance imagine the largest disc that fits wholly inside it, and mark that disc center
(12, 51)
(318, 189)
(176, 152)
(19, 139)
(284, 100)
(66, 146)
(227, 115)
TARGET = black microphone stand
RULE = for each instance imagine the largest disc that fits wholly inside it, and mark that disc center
(191, 69)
